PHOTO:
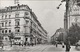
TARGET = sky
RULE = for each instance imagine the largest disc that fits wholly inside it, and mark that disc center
(49, 16)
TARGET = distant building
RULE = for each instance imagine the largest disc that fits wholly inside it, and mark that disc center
(23, 23)
(57, 34)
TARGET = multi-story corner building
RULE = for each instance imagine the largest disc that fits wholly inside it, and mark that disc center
(22, 23)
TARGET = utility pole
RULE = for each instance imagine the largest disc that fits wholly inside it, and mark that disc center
(66, 15)
(66, 24)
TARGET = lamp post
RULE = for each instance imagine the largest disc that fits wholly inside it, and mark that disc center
(66, 24)
(66, 16)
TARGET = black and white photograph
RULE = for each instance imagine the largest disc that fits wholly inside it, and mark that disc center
(39, 25)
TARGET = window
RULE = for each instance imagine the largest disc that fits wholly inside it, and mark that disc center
(9, 16)
(2, 31)
(17, 30)
(27, 22)
(17, 22)
(2, 16)
(5, 38)
(2, 24)
(9, 31)
(26, 13)
(5, 31)
(9, 23)
(26, 39)
(5, 23)
(17, 14)
(5, 16)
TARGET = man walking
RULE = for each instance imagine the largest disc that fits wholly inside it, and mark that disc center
(67, 45)
(56, 44)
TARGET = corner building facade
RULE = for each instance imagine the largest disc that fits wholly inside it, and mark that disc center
(73, 12)
(23, 23)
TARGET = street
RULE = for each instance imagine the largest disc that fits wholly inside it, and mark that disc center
(39, 48)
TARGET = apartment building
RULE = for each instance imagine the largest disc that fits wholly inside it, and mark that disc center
(21, 22)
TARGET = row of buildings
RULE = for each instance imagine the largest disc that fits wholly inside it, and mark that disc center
(21, 22)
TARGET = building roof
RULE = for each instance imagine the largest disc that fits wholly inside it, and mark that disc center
(12, 8)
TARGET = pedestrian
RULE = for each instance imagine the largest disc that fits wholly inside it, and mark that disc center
(62, 45)
(2, 45)
(56, 44)
(28, 43)
(68, 46)
(25, 43)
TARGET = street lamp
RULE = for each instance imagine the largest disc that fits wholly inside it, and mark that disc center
(66, 24)
(66, 15)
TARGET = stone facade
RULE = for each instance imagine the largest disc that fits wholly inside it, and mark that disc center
(23, 23)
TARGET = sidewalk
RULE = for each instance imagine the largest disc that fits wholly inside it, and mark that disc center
(73, 49)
